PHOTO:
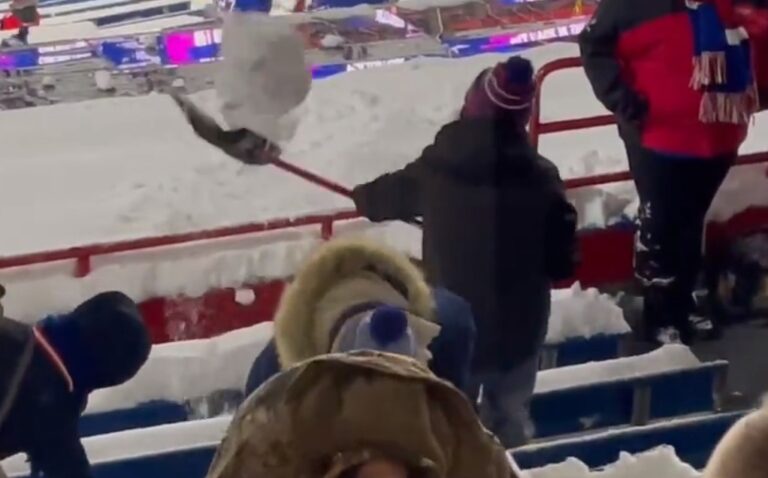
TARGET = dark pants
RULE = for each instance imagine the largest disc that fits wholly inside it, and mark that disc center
(675, 195)
(503, 401)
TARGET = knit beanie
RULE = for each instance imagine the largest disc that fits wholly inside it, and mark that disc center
(503, 91)
(385, 329)
(102, 343)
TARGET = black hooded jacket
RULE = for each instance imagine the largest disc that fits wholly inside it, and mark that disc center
(497, 230)
(102, 343)
(43, 418)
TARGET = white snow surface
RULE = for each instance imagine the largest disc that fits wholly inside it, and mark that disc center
(185, 370)
(125, 168)
(659, 462)
(665, 359)
(142, 442)
(191, 369)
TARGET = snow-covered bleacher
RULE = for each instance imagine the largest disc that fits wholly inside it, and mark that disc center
(170, 418)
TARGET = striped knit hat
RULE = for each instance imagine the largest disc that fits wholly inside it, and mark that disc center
(505, 90)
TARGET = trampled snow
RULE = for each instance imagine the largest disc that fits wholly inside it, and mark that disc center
(142, 442)
(124, 168)
(659, 462)
(180, 371)
(666, 359)
(191, 369)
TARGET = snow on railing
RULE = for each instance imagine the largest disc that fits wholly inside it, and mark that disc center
(83, 255)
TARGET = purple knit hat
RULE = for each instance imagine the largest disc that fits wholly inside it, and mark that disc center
(506, 90)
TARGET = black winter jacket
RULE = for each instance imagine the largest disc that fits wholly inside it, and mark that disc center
(497, 230)
(43, 418)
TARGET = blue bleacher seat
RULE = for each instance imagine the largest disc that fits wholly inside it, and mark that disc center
(693, 440)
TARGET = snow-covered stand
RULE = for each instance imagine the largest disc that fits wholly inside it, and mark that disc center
(692, 438)
(669, 382)
(197, 379)
(186, 449)
(599, 398)
(607, 253)
(183, 449)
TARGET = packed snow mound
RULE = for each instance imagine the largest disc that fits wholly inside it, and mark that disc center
(185, 370)
(577, 312)
(190, 369)
(114, 175)
(141, 442)
(102, 172)
(666, 359)
(263, 75)
(660, 462)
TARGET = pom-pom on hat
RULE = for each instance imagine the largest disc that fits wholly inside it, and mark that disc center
(384, 329)
(506, 89)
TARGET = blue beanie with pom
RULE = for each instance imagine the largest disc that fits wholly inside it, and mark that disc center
(384, 329)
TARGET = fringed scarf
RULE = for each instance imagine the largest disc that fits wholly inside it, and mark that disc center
(722, 65)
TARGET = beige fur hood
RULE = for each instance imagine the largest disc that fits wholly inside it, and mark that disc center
(743, 451)
(340, 274)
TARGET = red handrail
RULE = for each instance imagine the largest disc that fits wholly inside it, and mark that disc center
(536, 128)
(83, 254)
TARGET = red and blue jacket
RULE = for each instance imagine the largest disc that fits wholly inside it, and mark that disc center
(638, 57)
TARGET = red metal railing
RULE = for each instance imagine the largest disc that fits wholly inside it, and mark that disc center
(538, 128)
(83, 255)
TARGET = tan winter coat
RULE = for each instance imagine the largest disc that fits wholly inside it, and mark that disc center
(743, 451)
(338, 410)
(341, 274)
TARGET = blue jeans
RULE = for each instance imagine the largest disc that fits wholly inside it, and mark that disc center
(504, 399)
(452, 349)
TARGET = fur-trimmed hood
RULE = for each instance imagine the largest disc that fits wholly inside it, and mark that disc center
(743, 451)
(340, 275)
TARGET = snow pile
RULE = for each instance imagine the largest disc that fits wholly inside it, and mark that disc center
(103, 80)
(142, 442)
(583, 313)
(263, 75)
(113, 175)
(188, 271)
(659, 462)
(666, 359)
(191, 369)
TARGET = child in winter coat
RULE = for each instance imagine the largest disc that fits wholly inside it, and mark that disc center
(680, 78)
(356, 294)
(48, 370)
(363, 414)
(498, 231)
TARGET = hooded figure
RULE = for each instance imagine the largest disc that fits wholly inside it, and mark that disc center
(48, 370)
(743, 451)
(359, 295)
(329, 416)
(498, 231)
